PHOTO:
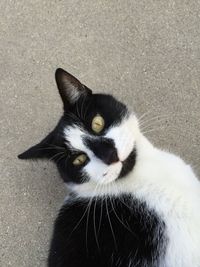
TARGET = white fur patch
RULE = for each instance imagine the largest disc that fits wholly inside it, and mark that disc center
(74, 135)
(124, 136)
(166, 184)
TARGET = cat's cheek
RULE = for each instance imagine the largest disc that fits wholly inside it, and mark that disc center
(125, 145)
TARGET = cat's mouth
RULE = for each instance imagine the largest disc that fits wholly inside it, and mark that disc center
(111, 173)
(128, 164)
(119, 169)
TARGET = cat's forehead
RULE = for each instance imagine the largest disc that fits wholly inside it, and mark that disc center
(107, 103)
(107, 106)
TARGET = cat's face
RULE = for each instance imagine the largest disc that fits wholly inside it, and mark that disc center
(94, 140)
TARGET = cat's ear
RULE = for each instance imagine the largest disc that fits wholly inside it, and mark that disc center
(69, 87)
(42, 150)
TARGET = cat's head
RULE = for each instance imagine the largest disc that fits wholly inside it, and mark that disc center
(95, 139)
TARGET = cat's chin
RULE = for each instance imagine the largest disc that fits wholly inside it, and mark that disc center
(111, 174)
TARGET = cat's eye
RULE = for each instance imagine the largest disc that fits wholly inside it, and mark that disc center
(81, 159)
(98, 123)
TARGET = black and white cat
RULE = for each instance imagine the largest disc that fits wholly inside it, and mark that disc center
(130, 204)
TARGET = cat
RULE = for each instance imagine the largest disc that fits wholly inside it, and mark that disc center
(130, 204)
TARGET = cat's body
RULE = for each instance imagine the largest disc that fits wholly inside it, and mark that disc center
(163, 201)
(131, 204)
(114, 232)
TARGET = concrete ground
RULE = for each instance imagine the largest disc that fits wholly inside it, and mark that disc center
(145, 52)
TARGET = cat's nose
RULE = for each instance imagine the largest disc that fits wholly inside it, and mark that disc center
(104, 149)
(110, 156)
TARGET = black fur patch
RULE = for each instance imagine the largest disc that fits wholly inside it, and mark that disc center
(107, 232)
(128, 164)
(104, 149)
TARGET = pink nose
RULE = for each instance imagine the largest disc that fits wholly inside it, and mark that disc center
(110, 156)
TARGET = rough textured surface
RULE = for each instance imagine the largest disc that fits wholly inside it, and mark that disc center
(145, 52)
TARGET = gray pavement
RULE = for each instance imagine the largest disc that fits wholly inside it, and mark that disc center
(147, 53)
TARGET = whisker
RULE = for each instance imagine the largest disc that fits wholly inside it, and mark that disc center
(144, 115)
(125, 226)
(112, 203)
(113, 234)
(76, 226)
(62, 157)
(152, 130)
(54, 156)
(87, 220)
(94, 220)
(120, 198)
(156, 118)
(146, 127)
(100, 219)
(72, 116)
(154, 123)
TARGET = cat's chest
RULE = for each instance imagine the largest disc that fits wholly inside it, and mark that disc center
(112, 227)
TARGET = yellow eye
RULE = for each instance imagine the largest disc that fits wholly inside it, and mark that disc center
(80, 160)
(98, 124)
